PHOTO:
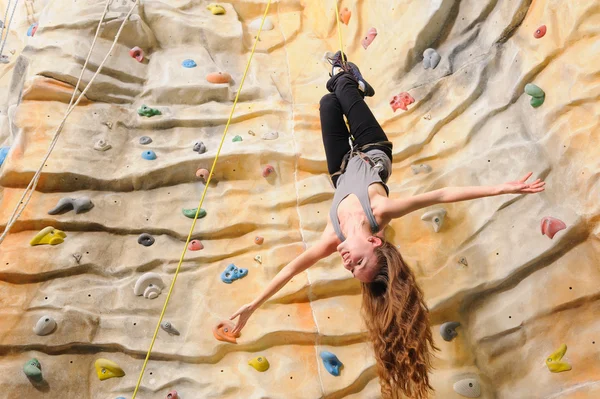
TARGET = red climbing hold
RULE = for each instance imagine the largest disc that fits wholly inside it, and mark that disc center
(369, 37)
(540, 32)
(267, 170)
(202, 173)
(401, 101)
(259, 240)
(551, 226)
(172, 395)
(137, 53)
(222, 332)
(345, 15)
(195, 245)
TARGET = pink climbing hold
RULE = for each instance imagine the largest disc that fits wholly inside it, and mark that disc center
(540, 32)
(401, 101)
(137, 53)
(369, 37)
(172, 395)
(195, 245)
(267, 170)
(218, 77)
(203, 174)
(551, 226)
(345, 15)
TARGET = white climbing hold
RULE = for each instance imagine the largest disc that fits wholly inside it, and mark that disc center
(431, 58)
(44, 326)
(422, 168)
(149, 285)
(469, 387)
(102, 145)
(258, 258)
(435, 217)
(255, 25)
(270, 136)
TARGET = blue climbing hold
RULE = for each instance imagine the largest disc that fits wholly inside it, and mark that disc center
(232, 273)
(32, 29)
(3, 154)
(332, 363)
(149, 155)
(189, 64)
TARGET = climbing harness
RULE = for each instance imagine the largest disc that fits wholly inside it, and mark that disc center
(26, 197)
(210, 175)
(7, 26)
(361, 151)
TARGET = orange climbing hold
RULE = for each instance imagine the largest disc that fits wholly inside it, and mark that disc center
(345, 15)
(259, 240)
(222, 332)
(218, 77)
(551, 226)
(267, 170)
(401, 101)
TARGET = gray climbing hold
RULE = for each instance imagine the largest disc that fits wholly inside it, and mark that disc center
(149, 285)
(270, 136)
(168, 327)
(431, 58)
(435, 217)
(469, 387)
(199, 147)
(44, 326)
(448, 330)
(102, 145)
(66, 204)
(77, 257)
(33, 370)
(422, 168)
(4, 59)
(145, 140)
(145, 239)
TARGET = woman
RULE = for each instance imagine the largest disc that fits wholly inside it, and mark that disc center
(393, 306)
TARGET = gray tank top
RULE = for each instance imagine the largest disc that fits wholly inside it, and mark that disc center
(356, 179)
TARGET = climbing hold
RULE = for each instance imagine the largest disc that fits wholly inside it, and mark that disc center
(401, 101)
(218, 77)
(255, 25)
(431, 58)
(216, 9)
(48, 235)
(427, 117)
(251, 133)
(448, 330)
(258, 258)
(108, 124)
(149, 155)
(554, 360)
(551, 226)
(149, 285)
(468, 387)
(270, 136)
(33, 370)
(540, 32)
(232, 273)
(195, 245)
(4, 59)
(168, 327)
(537, 95)
(203, 174)
(102, 145)
(172, 395)
(145, 239)
(44, 326)
(145, 140)
(3, 154)
(259, 240)
(267, 170)
(260, 363)
(237, 138)
(435, 217)
(137, 53)
(421, 168)
(191, 213)
(77, 257)
(189, 63)
(107, 369)
(331, 363)
(66, 204)
(463, 261)
(145, 110)
(345, 15)
(222, 332)
(32, 29)
(369, 37)
(199, 147)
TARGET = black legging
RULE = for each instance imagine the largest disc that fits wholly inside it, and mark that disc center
(346, 99)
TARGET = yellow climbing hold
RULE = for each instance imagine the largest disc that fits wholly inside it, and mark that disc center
(553, 361)
(216, 9)
(48, 235)
(107, 369)
(260, 363)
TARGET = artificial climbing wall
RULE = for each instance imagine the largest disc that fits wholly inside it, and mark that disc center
(517, 294)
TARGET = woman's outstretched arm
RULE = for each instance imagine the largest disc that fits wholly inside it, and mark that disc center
(395, 208)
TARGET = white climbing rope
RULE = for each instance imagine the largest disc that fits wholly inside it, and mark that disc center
(7, 26)
(24, 200)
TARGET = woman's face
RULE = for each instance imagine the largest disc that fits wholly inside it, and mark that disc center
(358, 256)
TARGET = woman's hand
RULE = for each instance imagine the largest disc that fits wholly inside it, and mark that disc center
(520, 187)
(244, 312)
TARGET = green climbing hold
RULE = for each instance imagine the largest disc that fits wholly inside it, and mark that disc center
(536, 101)
(33, 370)
(237, 138)
(147, 111)
(537, 95)
(191, 213)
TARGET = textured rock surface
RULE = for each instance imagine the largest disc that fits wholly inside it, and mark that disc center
(521, 296)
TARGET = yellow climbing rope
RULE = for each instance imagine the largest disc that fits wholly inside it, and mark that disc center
(339, 29)
(162, 313)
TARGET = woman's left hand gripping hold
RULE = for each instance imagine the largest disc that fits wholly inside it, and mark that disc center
(520, 187)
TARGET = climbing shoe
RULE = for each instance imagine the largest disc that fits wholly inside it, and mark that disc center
(337, 64)
(363, 85)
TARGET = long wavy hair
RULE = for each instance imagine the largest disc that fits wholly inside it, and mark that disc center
(397, 321)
